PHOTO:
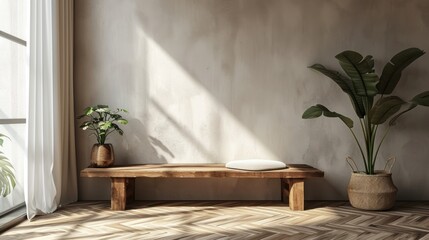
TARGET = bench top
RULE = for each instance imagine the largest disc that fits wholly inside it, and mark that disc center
(176, 170)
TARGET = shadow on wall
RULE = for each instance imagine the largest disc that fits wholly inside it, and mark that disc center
(184, 133)
(142, 147)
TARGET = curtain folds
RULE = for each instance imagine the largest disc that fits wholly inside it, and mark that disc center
(50, 174)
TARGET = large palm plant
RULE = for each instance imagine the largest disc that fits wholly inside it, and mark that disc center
(364, 87)
(7, 177)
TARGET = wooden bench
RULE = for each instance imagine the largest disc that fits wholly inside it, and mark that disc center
(123, 178)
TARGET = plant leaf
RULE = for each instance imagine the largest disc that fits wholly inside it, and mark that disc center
(2, 140)
(7, 177)
(346, 85)
(317, 110)
(85, 124)
(3, 136)
(122, 121)
(312, 112)
(102, 110)
(421, 99)
(392, 71)
(105, 125)
(361, 71)
(115, 116)
(101, 120)
(393, 120)
(384, 109)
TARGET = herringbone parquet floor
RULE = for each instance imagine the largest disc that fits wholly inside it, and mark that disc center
(226, 220)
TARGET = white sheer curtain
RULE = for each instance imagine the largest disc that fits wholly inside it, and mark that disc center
(51, 162)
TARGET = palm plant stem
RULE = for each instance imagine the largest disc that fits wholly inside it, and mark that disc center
(382, 140)
(360, 148)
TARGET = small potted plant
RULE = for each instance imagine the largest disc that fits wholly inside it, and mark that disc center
(7, 177)
(371, 99)
(102, 121)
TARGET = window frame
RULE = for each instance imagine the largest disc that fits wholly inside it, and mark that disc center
(10, 216)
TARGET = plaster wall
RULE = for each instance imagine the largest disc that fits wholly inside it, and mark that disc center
(208, 81)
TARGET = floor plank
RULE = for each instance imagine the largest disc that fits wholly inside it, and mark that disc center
(226, 220)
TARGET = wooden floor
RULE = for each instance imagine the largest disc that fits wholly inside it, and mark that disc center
(226, 220)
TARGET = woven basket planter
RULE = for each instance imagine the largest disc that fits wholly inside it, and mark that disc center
(372, 192)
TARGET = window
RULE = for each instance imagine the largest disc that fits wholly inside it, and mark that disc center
(13, 91)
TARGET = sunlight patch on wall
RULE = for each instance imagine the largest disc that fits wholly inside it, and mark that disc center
(188, 120)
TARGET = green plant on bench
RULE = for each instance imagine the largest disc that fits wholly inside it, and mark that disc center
(101, 121)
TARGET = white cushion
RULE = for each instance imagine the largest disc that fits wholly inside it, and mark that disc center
(256, 164)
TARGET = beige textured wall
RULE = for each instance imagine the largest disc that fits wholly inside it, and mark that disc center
(216, 80)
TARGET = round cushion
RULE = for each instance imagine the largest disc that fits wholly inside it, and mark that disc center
(255, 164)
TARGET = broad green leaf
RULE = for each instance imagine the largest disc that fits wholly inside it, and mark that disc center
(102, 110)
(312, 112)
(2, 140)
(13, 181)
(118, 129)
(7, 171)
(393, 70)
(4, 136)
(367, 64)
(363, 65)
(328, 113)
(88, 111)
(361, 71)
(4, 184)
(115, 116)
(105, 125)
(318, 110)
(120, 132)
(384, 109)
(122, 121)
(7, 177)
(394, 118)
(85, 125)
(121, 110)
(346, 85)
(422, 99)
(4, 163)
(101, 123)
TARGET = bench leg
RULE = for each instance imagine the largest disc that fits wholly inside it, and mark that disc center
(293, 189)
(122, 192)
